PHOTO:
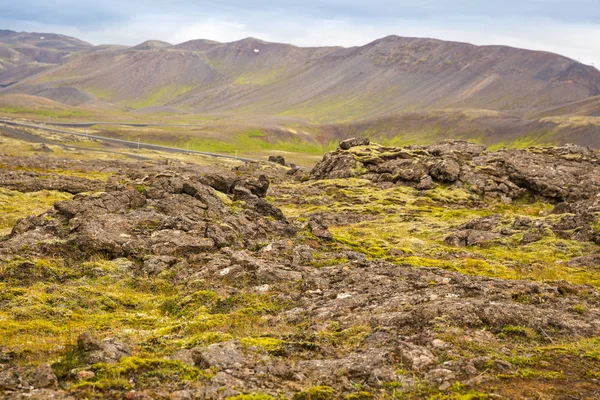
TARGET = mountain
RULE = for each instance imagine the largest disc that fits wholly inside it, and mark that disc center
(25, 54)
(251, 76)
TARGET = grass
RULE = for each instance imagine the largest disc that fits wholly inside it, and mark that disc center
(66, 113)
(160, 96)
(103, 296)
(259, 78)
(405, 227)
(15, 205)
(255, 141)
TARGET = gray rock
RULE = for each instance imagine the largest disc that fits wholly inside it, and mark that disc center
(156, 264)
(354, 142)
(303, 255)
(225, 355)
(9, 379)
(277, 160)
(426, 183)
(108, 350)
(43, 377)
(446, 170)
(319, 228)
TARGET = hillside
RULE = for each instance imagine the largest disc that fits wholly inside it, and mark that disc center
(23, 54)
(251, 76)
(589, 107)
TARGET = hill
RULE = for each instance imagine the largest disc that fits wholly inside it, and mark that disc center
(251, 76)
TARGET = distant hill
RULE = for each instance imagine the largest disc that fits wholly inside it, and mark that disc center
(251, 76)
(398, 90)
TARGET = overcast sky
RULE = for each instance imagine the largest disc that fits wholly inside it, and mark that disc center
(568, 27)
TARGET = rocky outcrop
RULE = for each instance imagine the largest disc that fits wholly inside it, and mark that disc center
(162, 214)
(565, 173)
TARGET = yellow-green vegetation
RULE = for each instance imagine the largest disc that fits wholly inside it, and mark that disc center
(103, 295)
(63, 113)
(259, 78)
(255, 140)
(345, 339)
(101, 93)
(251, 396)
(161, 96)
(315, 393)
(267, 344)
(15, 205)
(524, 141)
(405, 226)
(99, 175)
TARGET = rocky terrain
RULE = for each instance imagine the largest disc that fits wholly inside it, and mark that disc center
(438, 272)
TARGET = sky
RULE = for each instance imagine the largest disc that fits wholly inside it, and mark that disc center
(567, 27)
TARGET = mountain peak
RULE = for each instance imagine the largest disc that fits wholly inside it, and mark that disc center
(151, 44)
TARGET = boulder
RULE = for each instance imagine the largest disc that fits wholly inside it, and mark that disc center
(224, 355)
(43, 377)
(108, 350)
(319, 228)
(277, 160)
(426, 183)
(354, 142)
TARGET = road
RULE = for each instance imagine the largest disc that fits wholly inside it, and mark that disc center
(134, 124)
(125, 143)
(27, 137)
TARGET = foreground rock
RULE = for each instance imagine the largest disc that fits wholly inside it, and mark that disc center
(163, 214)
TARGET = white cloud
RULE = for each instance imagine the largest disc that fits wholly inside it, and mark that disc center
(574, 40)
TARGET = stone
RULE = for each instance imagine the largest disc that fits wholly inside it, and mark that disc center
(224, 355)
(277, 160)
(108, 350)
(319, 228)
(43, 377)
(85, 375)
(9, 379)
(302, 255)
(354, 142)
(446, 170)
(426, 183)
(157, 264)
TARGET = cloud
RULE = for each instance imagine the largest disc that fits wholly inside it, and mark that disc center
(547, 25)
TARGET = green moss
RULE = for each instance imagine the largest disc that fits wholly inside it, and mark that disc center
(517, 331)
(359, 396)
(348, 339)
(254, 140)
(16, 205)
(70, 360)
(580, 309)
(270, 345)
(528, 373)
(315, 393)
(405, 226)
(160, 368)
(251, 396)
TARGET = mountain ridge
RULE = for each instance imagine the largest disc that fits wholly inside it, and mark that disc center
(354, 88)
(390, 74)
